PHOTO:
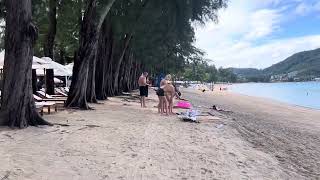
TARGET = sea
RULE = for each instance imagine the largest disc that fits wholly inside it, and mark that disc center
(306, 94)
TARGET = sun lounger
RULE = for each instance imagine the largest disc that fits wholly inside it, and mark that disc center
(47, 96)
(66, 89)
(58, 101)
(59, 91)
(47, 105)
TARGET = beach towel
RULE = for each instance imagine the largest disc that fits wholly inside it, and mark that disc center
(190, 115)
(183, 105)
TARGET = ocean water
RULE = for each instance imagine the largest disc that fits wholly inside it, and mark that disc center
(306, 94)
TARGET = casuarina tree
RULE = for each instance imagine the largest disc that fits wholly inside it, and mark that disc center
(17, 105)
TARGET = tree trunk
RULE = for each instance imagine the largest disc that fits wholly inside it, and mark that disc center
(117, 68)
(103, 56)
(52, 29)
(90, 28)
(62, 56)
(109, 74)
(49, 81)
(17, 106)
(91, 89)
(34, 81)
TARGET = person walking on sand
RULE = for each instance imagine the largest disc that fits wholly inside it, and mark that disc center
(143, 88)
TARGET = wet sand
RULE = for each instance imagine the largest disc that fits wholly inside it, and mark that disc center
(291, 134)
(119, 140)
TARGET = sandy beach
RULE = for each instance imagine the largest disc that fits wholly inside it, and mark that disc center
(255, 139)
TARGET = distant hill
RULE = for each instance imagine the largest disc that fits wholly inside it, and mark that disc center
(300, 66)
(245, 72)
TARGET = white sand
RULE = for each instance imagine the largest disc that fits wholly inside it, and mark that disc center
(118, 141)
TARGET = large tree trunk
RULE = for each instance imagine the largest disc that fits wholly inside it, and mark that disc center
(103, 55)
(109, 74)
(91, 89)
(90, 28)
(17, 106)
(52, 29)
(50, 81)
(127, 73)
(118, 64)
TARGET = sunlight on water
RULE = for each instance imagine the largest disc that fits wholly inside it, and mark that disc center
(305, 94)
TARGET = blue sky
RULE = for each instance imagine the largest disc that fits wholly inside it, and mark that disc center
(259, 33)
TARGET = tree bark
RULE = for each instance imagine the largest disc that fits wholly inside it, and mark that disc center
(109, 74)
(103, 56)
(91, 89)
(90, 28)
(118, 64)
(34, 81)
(50, 81)
(52, 29)
(17, 105)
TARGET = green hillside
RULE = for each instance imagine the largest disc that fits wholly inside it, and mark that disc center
(299, 67)
(304, 64)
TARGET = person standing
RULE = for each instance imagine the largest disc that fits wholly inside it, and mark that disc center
(163, 105)
(169, 92)
(143, 88)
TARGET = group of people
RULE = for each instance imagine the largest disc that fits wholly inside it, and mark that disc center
(166, 93)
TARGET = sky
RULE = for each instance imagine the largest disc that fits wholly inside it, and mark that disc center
(260, 33)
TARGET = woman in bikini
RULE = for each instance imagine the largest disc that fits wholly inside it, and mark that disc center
(162, 106)
(169, 93)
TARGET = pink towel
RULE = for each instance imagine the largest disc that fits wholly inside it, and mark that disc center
(183, 105)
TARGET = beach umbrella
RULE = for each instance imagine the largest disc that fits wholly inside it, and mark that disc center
(69, 67)
(37, 63)
(57, 81)
(58, 69)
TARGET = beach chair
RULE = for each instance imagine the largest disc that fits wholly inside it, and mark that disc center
(39, 109)
(57, 101)
(47, 105)
(61, 92)
(66, 89)
(47, 96)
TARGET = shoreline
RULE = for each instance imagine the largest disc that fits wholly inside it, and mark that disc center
(279, 100)
(288, 133)
(274, 101)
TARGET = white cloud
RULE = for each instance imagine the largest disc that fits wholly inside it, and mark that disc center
(248, 55)
(245, 35)
(307, 7)
(263, 22)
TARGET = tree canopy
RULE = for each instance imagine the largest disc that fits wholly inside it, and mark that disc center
(112, 41)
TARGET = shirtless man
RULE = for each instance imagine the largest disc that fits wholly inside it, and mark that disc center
(143, 87)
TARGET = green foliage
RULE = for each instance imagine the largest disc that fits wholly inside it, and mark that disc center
(201, 71)
(307, 62)
(69, 14)
(163, 33)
